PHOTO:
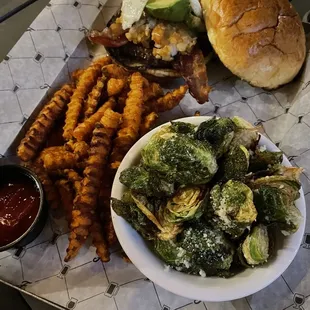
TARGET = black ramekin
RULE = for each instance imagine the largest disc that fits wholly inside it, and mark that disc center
(39, 222)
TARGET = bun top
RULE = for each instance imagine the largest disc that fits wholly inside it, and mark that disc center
(261, 41)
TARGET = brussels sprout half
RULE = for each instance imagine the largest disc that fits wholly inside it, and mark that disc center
(274, 198)
(233, 207)
(135, 217)
(262, 160)
(235, 164)
(186, 204)
(145, 182)
(245, 134)
(255, 247)
(198, 250)
(219, 132)
(179, 158)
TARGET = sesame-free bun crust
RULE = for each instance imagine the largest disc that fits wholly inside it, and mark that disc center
(261, 41)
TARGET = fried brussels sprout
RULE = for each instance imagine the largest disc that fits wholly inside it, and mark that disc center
(179, 158)
(135, 217)
(255, 248)
(274, 198)
(183, 128)
(146, 182)
(167, 230)
(198, 250)
(219, 132)
(235, 164)
(232, 207)
(263, 160)
(245, 134)
(186, 204)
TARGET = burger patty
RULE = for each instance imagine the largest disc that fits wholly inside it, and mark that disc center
(132, 54)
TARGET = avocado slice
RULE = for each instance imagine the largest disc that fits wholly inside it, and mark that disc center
(171, 10)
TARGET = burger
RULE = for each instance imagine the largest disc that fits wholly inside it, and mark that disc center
(261, 41)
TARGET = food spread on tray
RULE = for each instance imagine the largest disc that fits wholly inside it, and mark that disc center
(19, 206)
(262, 42)
(79, 138)
(210, 200)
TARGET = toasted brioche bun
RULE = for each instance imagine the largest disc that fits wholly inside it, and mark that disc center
(261, 41)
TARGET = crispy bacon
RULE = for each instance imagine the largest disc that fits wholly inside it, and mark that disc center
(194, 71)
(112, 36)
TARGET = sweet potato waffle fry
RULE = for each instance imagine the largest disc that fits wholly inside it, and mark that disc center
(36, 135)
(75, 171)
(83, 216)
(129, 132)
(94, 97)
(85, 83)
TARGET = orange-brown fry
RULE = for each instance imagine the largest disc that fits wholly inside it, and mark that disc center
(67, 196)
(52, 195)
(79, 148)
(102, 248)
(103, 61)
(115, 86)
(153, 90)
(115, 71)
(197, 113)
(129, 131)
(83, 215)
(61, 160)
(148, 123)
(37, 134)
(121, 99)
(51, 149)
(83, 87)
(94, 97)
(84, 130)
(170, 100)
(75, 75)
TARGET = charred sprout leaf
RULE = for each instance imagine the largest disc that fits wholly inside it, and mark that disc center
(145, 182)
(235, 164)
(183, 128)
(274, 199)
(255, 247)
(233, 207)
(245, 134)
(178, 158)
(218, 132)
(186, 204)
(198, 250)
(135, 218)
(293, 173)
(262, 160)
(167, 230)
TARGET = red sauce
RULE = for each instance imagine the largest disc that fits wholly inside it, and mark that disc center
(19, 206)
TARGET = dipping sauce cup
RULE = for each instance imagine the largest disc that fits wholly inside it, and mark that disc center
(23, 211)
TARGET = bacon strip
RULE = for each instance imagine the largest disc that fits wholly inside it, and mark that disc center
(194, 71)
(113, 36)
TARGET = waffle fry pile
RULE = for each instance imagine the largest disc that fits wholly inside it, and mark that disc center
(79, 139)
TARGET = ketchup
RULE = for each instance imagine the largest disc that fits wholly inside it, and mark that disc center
(19, 205)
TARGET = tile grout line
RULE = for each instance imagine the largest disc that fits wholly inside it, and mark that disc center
(287, 284)
(88, 298)
(246, 298)
(157, 295)
(131, 281)
(35, 48)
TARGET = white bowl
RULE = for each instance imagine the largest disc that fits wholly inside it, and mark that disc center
(214, 289)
